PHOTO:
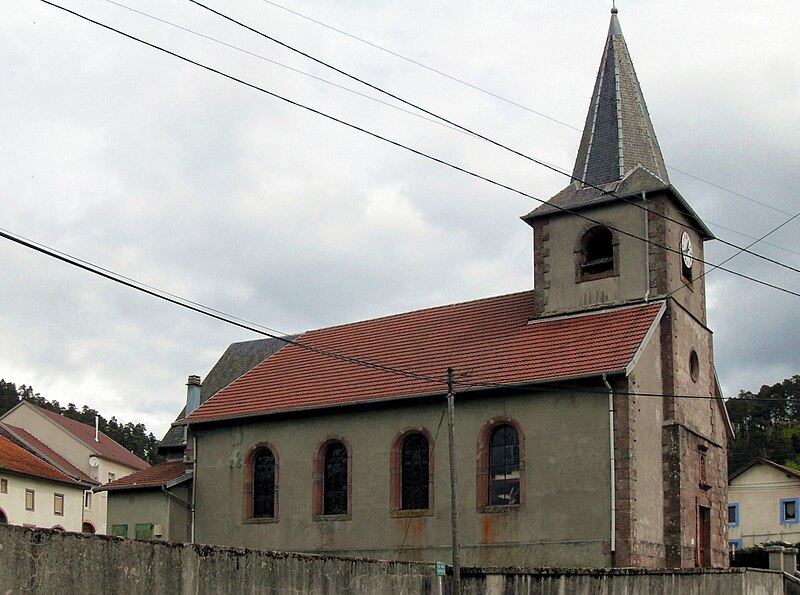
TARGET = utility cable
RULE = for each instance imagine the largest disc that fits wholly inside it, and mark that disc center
(282, 65)
(496, 96)
(398, 144)
(196, 307)
(466, 129)
(200, 309)
(714, 267)
(564, 170)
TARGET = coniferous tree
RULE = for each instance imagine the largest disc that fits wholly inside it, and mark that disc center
(133, 437)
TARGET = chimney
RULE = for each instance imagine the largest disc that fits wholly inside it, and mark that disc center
(193, 393)
(97, 428)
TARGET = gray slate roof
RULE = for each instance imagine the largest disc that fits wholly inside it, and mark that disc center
(238, 358)
(618, 134)
(619, 152)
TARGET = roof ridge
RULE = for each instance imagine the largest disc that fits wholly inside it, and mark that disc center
(100, 448)
(416, 311)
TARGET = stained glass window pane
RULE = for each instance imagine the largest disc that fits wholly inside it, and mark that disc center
(504, 470)
(335, 483)
(264, 484)
(414, 476)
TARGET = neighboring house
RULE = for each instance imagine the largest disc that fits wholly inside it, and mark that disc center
(35, 446)
(589, 424)
(33, 493)
(156, 503)
(763, 504)
(152, 504)
(86, 450)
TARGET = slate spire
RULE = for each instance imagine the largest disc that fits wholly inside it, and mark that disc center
(618, 134)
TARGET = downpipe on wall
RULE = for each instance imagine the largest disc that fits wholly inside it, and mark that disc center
(612, 464)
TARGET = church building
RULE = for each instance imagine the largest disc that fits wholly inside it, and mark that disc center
(589, 425)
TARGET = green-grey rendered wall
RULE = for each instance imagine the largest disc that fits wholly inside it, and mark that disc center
(152, 507)
(564, 519)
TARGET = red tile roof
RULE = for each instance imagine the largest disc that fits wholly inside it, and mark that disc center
(152, 477)
(106, 447)
(15, 459)
(48, 454)
(491, 340)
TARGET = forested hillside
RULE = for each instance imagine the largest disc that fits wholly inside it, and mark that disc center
(767, 424)
(132, 436)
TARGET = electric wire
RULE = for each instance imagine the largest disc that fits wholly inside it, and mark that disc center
(282, 65)
(562, 386)
(755, 241)
(398, 144)
(564, 170)
(200, 309)
(466, 129)
(499, 97)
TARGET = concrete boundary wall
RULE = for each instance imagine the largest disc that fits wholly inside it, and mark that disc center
(50, 562)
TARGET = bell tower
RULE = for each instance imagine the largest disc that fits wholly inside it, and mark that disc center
(621, 234)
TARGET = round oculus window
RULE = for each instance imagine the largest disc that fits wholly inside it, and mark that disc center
(694, 366)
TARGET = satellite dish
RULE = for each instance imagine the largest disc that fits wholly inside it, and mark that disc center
(94, 461)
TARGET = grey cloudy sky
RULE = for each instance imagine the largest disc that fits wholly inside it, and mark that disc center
(156, 169)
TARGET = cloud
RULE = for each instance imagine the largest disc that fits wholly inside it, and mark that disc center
(208, 189)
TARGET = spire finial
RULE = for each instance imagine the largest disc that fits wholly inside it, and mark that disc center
(614, 7)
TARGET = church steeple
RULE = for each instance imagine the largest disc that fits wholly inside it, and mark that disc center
(618, 134)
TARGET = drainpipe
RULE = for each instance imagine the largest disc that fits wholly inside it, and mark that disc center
(646, 248)
(194, 480)
(612, 464)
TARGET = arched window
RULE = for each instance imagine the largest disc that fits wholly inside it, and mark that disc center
(597, 251)
(414, 472)
(260, 494)
(504, 467)
(3, 518)
(264, 484)
(87, 527)
(334, 490)
(501, 465)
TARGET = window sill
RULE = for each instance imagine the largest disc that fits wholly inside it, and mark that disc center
(259, 520)
(332, 517)
(499, 508)
(581, 276)
(405, 514)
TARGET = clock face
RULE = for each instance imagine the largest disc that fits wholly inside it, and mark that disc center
(686, 250)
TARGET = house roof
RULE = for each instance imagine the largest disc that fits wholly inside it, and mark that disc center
(40, 449)
(104, 447)
(491, 341)
(152, 477)
(762, 461)
(15, 459)
(237, 359)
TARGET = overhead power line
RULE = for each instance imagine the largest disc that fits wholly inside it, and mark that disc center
(564, 170)
(462, 381)
(469, 130)
(755, 241)
(497, 96)
(199, 308)
(398, 144)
